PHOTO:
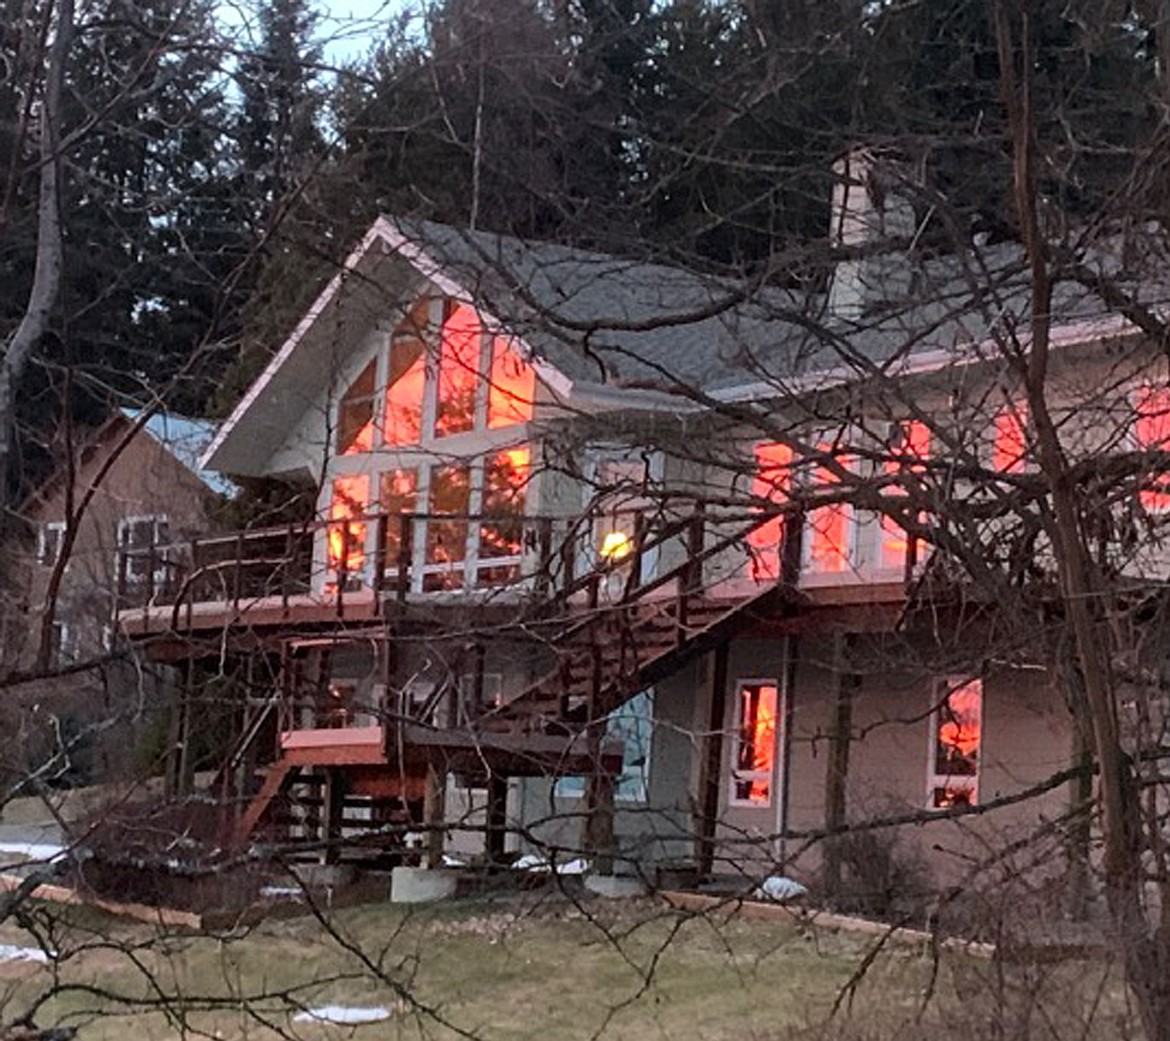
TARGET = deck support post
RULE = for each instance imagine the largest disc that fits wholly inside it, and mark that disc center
(435, 813)
(496, 832)
(837, 766)
(711, 763)
(334, 809)
(179, 765)
(598, 836)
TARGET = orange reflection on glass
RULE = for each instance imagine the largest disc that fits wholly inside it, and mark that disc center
(1152, 432)
(1010, 448)
(511, 388)
(404, 395)
(828, 526)
(459, 349)
(770, 482)
(959, 730)
(355, 416)
(909, 445)
(505, 481)
(347, 534)
(756, 752)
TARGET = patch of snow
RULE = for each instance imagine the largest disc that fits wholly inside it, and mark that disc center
(531, 862)
(34, 850)
(779, 888)
(282, 893)
(453, 862)
(10, 953)
(539, 864)
(341, 1014)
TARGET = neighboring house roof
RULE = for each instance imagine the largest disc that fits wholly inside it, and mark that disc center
(186, 439)
(591, 319)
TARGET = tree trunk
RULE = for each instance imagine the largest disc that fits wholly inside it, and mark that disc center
(46, 287)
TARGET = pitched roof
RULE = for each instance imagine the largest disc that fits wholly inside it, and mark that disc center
(592, 318)
(186, 439)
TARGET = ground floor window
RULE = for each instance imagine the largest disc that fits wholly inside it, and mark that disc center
(754, 751)
(633, 724)
(956, 737)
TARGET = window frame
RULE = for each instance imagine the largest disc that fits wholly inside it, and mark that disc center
(125, 575)
(900, 439)
(941, 692)
(1153, 493)
(734, 774)
(58, 528)
(439, 308)
(850, 518)
(473, 563)
(574, 786)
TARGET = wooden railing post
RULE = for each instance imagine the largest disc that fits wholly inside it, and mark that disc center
(696, 535)
(237, 574)
(379, 562)
(405, 553)
(543, 584)
(343, 567)
(286, 567)
(911, 558)
(793, 548)
(569, 557)
(634, 581)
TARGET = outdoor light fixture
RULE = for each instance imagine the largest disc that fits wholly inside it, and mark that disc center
(616, 545)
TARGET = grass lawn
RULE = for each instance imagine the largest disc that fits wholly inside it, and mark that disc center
(538, 968)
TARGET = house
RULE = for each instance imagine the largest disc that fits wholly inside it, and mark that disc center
(98, 532)
(611, 555)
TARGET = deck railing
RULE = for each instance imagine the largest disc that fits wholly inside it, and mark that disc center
(597, 555)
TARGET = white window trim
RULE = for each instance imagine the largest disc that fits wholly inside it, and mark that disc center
(939, 689)
(734, 774)
(160, 563)
(42, 542)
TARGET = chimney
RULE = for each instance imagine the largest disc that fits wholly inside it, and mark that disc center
(870, 230)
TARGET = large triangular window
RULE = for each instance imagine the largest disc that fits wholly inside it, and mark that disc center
(445, 374)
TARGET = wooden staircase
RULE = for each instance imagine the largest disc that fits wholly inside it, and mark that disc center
(608, 652)
(608, 657)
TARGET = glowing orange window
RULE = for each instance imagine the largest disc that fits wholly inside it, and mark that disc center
(446, 537)
(1152, 433)
(956, 743)
(770, 482)
(402, 422)
(501, 536)
(355, 414)
(909, 444)
(755, 752)
(1009, 450)
(511, 388)
(829, 526)
(399, 495)
(347, 529)
(459, 352)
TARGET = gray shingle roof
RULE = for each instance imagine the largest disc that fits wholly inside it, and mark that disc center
(599, 318)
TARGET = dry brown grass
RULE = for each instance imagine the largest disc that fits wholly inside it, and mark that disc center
(542, 968)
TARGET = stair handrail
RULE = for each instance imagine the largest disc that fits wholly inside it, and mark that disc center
(244, 741)
(632, 596)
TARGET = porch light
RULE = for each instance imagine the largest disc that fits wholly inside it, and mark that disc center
(616, 545)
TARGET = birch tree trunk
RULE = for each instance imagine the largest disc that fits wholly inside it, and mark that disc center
(46, 287)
